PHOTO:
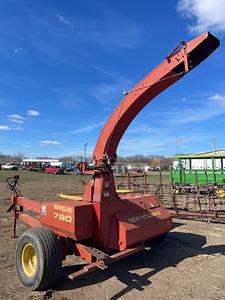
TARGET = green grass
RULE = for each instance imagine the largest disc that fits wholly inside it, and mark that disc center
(154, 177)
(38, 176)
(34, 176)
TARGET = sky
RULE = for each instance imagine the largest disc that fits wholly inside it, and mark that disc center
(65, 64)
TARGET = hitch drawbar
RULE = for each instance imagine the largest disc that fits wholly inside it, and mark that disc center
(104, 262)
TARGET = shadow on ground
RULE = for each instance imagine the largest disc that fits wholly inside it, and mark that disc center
(176, 247)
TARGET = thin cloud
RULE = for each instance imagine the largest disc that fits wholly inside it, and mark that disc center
(15, 118)
(104, 93)
(116, 31)
(27, 146)
(49, 142)
(219, 99)
(17, 128)
(205, 113)
(33, 113)
(151, 145)
(158, 145)
(64, 20)
(18, 50)
(8, 128)
(86, 129)
(129, 141)
(203, 14)
(110, 30)
(5, 128)
(140, 129)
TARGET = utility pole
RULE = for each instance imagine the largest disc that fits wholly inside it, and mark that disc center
(214, 144)
(85, 152)
(176, 142)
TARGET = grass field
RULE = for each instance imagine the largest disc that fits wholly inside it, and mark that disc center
(189, 264)
(38, 176)
(33, 176)
(44, 187)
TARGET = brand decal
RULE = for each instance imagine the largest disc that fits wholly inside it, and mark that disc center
(142, 217)
(63, 208)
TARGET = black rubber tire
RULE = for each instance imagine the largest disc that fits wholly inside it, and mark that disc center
(49, 258)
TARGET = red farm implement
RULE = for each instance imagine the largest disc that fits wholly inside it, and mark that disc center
(104, 226)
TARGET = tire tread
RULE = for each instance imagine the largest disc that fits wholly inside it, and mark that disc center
(51, 255)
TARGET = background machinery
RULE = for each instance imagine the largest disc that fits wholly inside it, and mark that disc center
(104, 226)
(203, 171)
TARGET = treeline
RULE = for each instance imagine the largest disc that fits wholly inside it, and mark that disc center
(14, 158)
(154, 161)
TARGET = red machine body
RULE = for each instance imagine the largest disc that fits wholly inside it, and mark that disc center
(73, 219)
(143, 219)
(104, 219)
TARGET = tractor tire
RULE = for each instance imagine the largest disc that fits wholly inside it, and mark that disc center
(38, 258)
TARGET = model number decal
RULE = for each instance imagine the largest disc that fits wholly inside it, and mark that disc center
(62, 217)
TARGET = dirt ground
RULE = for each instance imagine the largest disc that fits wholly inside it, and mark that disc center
(188, 264)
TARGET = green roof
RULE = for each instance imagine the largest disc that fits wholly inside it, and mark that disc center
(209, 154)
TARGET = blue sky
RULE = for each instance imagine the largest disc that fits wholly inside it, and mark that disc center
(65, 64)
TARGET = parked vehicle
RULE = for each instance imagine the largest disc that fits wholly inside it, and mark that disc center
(53, 170)
(9, 167)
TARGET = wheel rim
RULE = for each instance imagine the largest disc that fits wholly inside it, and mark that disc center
(29, 260)
(175, 190)
(220, 193)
